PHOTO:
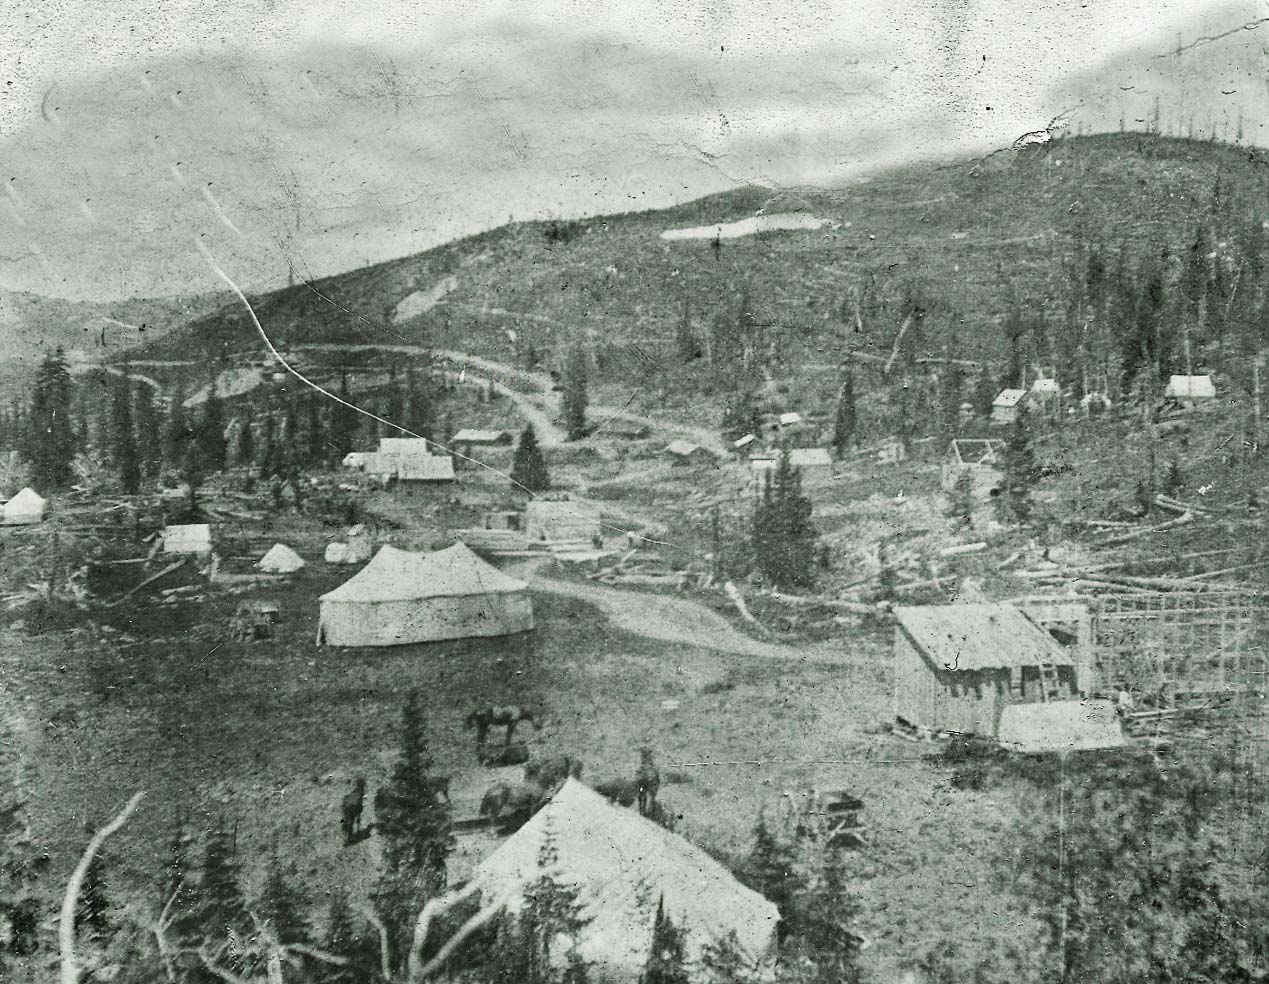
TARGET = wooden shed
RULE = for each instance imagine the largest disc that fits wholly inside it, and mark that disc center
(956, 667)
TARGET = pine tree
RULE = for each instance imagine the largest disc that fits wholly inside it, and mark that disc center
(845, 421)
(951, 385)
(416, 833)
(314, 431)
(21, 866)
(342, 940)
(770, 870)
(575, 398)
(783, 537)
(418, 405)
(148, 431)
(220, 909)
(825, 923)
(962, 503)
(92, 914)
(282, 902)
(1020, 469)
(266, 453)
(665, 958)
(211, 433)
(175, 431)
(724, 962)
(51, 441)
(689, 348)
(528, 467)
(1173, 480)
(126, 457)
(343, 431)
(740, 417)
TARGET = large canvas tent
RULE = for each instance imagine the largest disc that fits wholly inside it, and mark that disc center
(25, 507)
(402, 597)
(623, 865)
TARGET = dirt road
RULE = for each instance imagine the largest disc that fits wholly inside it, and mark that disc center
(675, 620)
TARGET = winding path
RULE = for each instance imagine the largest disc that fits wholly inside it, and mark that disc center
(678, 620)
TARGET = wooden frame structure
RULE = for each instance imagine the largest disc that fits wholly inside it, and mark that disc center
(1175, 643)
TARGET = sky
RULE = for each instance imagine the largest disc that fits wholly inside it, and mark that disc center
(320, 135)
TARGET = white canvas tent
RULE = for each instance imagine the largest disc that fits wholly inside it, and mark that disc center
(280, 559)
(25, 507)
(193, 538)
(623, 865)
(402, 597)
(1190, 388)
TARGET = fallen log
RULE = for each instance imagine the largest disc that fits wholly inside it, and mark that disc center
(963, 548)
(149, 580)
(1181, 520)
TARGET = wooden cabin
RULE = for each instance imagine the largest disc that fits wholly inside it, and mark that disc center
(956, 667)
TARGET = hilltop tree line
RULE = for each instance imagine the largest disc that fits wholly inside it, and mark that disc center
(121, 427)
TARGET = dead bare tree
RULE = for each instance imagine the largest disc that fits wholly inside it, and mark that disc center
(70, 901)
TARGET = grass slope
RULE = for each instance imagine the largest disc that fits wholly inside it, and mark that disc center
(967, 235)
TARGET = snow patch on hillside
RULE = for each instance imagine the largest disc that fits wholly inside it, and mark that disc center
(422, 301)
(777, 222)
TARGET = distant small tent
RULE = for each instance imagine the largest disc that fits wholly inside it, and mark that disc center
(685, 453)
(623, 866)
(402, 597)
(28, 506)
(280, 559)
(192, 538)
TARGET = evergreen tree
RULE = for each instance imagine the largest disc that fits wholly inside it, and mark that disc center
(951, 386)
(175, 431)
(21, 866)
(825, 923)
(689, 348)
(415, 828)
(148, 430)
(740, 417)
(1173, 480)
(845, 421)
(314, 431)
(211, 433)
(770, 870)
(126, 457)
(266, 453)
(282, 903)
(528, 467)
(665, 959)
(220, 911)
(783, 537)
(343, 431)
(1020, 469)
(575, 398)
(92, 914)
(418, 405)
(51, 441)
(342, 940)
(724, 961)
(962, 503)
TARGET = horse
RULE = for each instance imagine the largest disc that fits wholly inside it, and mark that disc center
(350, 809)
(647, 782)
(509, 805)
(550, 773)
(504, 716)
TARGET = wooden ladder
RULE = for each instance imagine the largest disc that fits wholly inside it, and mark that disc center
(1049, 685)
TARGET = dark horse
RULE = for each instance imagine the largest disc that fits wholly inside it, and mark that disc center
(350, 810)
(507, 716)
(647, 782)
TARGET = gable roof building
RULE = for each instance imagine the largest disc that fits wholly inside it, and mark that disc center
(402, 597)
(957, 666)
(623, 866)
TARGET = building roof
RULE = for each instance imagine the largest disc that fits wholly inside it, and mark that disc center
(979, 636)
(403, 445)
(280, 559)
(762, 462)
(744, 442)
(623, 865)
(354, 459)
(1009, 398)
(976, 451)
(425, 468)
(1060, 726)
(190, 538)
(471, 435)
(399, 575)
(1045, 387)
(810, 458)
(1190, 388)
(792, 417)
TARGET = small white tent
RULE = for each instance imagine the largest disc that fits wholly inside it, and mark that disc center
(623, 865)
(280, 559)
(402, 597)
(25, 507)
